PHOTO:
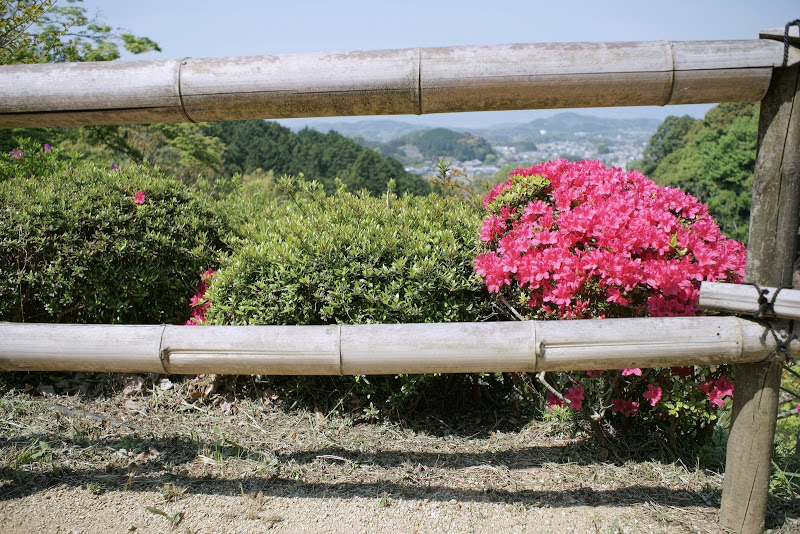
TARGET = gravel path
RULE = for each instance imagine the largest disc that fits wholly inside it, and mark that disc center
(153, 462)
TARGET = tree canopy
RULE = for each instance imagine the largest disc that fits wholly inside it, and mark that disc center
(667, 139)
(258, 144)
(713, 161)
(442, 143)
(40, 31)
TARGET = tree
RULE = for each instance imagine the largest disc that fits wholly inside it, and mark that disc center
(667, 139)
(716, 164)
(39, 31)
(443, 143)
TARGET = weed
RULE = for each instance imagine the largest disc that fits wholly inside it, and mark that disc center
(172, 518)
(95, 488)
(273, 520)
(384, 500)
(171, 492)
(37, 450)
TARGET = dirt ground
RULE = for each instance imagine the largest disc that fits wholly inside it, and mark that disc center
(159, 457)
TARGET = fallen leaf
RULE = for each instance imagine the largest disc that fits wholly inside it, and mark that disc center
(319, 416)
(134, 385)
(45, 390)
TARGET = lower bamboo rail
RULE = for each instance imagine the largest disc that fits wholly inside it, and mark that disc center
(385, 349)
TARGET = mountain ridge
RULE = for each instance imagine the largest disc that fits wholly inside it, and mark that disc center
(564, 123)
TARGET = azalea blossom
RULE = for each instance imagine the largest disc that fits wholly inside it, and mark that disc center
(717, 390)
(138, 198)
(579, 240)
(575, 397)
(199, 303)
(553, 400)
(114, 167)
(16, 154)
(625, 407)
(47, 148)
(653, 394)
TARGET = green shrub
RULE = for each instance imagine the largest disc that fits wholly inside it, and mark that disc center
(84, 244)
(349, 258)
(355, 259)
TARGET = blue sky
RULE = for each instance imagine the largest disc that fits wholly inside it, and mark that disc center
(204, 28)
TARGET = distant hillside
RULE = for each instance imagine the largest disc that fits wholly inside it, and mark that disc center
(566, 124)
(268, 146)
(439, 143)
(376, 130)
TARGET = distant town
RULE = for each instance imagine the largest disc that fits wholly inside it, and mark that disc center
(568, 135)
(614, 150)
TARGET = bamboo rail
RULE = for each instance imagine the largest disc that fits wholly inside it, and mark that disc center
(736, 298)
(386, 82)
(528, 346)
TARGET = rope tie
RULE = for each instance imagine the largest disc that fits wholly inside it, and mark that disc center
(795, 22)
(781, 343)
(766, 310)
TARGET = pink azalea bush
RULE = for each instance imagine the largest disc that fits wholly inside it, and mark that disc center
(199, 303)
(577, 240)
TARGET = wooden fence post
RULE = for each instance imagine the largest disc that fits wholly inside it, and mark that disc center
(770, 256)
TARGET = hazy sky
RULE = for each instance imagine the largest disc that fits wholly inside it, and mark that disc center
(205, 28)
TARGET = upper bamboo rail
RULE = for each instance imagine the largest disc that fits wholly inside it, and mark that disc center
(386, 82)
(744, 299)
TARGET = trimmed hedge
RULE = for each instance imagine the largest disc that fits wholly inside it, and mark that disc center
(348, 258)
(77, 247)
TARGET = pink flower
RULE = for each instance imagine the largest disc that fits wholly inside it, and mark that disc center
(717, 389)
(199, 303)
(553, 400)
(138, 198)
(16, 154)
(724, 386)
(635, 371)
(625, 407)
(653, 394)
(114, 167)
(575, 397)
(47, 148)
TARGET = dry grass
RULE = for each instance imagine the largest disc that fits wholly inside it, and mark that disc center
(158, 441)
